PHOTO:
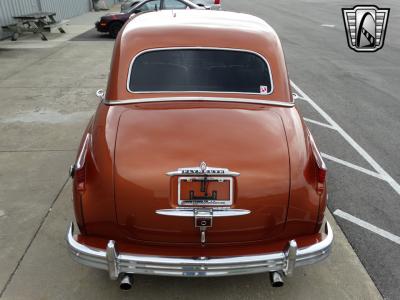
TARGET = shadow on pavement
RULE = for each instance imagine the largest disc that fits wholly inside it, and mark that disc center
(92, 35)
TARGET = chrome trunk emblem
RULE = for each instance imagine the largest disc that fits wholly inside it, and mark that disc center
(203, 166)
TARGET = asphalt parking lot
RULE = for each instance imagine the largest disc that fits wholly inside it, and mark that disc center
(350, 102)
(359, 92)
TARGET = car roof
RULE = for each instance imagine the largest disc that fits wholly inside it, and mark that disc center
(210, 19)
(206, 28)
(199, 29)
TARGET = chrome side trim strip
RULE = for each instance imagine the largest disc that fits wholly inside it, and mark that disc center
(317, 154)
(199, 48)
(210, 99)
(82, 155)
(190, 212)
(124, 263)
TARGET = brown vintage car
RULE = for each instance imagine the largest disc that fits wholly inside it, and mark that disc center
(197, 162)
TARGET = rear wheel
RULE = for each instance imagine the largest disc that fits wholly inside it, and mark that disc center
(115, 28)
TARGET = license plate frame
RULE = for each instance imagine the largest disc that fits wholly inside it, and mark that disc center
(205, 202)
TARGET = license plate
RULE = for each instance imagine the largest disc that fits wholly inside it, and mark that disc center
(205, 191)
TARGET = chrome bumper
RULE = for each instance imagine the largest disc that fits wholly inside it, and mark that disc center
(118, 263)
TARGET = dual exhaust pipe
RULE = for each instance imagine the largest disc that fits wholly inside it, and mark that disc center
(126, 281)
(276, 278)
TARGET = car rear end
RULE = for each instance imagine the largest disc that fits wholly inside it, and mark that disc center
(208, 170)
(141, 209)
(102, 25)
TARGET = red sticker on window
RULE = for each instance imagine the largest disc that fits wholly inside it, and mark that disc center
(263, 89)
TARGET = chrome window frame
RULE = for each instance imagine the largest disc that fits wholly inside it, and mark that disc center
(195, 99)
(199, 48)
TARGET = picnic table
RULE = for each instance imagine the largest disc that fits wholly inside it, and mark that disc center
(38, 23)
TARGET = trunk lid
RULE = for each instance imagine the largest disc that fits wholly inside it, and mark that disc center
(152, 142)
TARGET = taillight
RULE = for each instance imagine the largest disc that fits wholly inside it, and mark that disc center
(321, 167)
(217, 2)
(321, 181)
(321, 175)
(79, 169)
(78, 173)
(80, 179)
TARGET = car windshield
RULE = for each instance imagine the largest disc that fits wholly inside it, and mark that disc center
(174, 4)
(151, 5)
(213, 70)
(127, 6)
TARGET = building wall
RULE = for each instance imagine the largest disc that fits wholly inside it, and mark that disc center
(9, 8)
(64, 9)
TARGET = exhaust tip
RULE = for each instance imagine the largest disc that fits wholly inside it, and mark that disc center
(277, 284)
(125, 286)
(276, 279)
(126, 282)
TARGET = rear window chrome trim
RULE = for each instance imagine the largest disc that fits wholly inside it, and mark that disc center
(199, 48)
(202, 99)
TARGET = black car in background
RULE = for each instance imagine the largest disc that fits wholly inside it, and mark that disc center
(112, 23)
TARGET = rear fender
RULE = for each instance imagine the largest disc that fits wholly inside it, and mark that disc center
(306, 204)
(95, 207)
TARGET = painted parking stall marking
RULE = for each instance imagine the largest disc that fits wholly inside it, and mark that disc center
(318, 123)
(378, 172)
(328, 25)
(350, 165)
(368, 226)
(349, 139)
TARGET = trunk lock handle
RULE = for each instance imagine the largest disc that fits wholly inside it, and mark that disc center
(203, 218)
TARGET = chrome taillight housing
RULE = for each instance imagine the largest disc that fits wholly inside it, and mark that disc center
(321, 171)
(78, 170)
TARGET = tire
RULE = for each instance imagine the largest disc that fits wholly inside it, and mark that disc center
(115, 27)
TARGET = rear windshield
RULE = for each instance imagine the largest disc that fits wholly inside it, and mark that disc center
(200, 70)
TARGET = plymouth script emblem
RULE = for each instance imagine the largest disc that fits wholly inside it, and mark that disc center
(203, 169)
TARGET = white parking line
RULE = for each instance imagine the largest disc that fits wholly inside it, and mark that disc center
(353, 166)
(368, 226)
(328, 25)
(318, 123)
(384, 175)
